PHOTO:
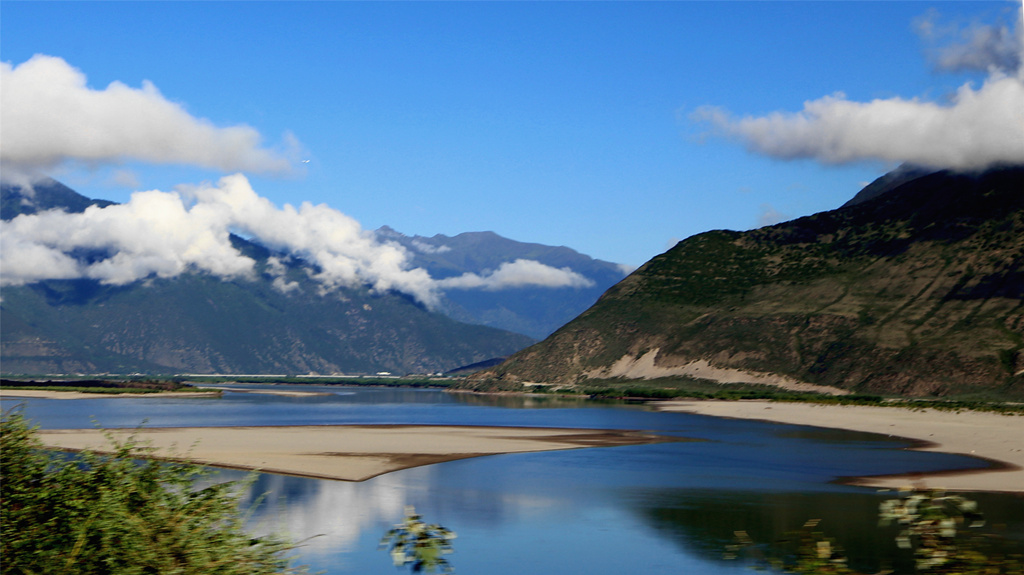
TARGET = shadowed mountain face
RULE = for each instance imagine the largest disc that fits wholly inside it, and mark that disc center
(45, 195)
(200, 324)
(918, 290)
(197, 323)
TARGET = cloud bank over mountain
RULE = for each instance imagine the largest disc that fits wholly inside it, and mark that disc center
(164, 234)
(51, 116)
(977, 128)
(518, 273)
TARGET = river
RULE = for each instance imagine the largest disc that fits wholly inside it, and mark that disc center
(643, 510)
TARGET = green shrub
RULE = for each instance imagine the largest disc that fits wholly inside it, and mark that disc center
(120, 514)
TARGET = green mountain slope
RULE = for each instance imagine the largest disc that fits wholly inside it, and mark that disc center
(916, 291)
(197, 323)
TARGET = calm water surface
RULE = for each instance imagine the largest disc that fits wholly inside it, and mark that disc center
(650, 509)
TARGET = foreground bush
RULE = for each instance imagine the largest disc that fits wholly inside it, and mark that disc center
(120, 515)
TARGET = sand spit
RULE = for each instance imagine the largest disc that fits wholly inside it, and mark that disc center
(278, 392)
(991, 436)
(47, 394)
(346, 452)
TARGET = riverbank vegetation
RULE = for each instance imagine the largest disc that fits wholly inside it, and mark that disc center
(696, 389)
(121, 514)
(109, 386)
(681, 388)
(432, 382)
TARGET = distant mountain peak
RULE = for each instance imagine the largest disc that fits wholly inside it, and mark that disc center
(42, 195)
(533, 310)
(890, 181)
(388, 232)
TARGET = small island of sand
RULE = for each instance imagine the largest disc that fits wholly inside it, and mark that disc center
(346, 452)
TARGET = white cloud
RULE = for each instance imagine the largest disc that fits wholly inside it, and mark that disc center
(979, 127)
(153, 234)
(977, 47)
(345, 253)
(425, 248)
(26, 261)
(277, 269)
(164, 234)
(519, 273)
(50, 116)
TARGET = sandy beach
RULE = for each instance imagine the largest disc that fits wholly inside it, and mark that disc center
(278, 392)
(346, 452)
(994, 437)
(47, 394)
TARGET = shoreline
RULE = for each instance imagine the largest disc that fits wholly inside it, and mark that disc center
(282, 393)
(52, 394)
(341, 452)
(995, 438)
(215, 391)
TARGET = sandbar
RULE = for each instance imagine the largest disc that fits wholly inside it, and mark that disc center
(279, 392)
(48, 394)
(991, 436)
(343, 452)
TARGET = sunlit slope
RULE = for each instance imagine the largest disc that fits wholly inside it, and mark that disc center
(917, 291)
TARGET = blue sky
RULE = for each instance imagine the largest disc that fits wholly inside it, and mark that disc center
(612, 128)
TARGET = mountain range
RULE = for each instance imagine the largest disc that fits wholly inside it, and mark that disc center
(197, 323)
(536, 311)
(914, 287)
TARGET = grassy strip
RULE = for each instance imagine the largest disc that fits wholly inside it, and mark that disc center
(433, 383)
(702, 390)
(109, 390)
(96, 390)
(102, 386)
